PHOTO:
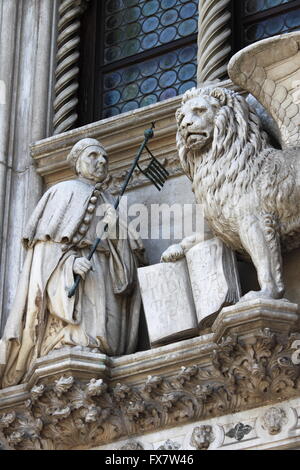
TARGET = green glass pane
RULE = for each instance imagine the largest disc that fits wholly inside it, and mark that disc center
(131, 47)
(167, 79)
(130, 74)
(150, 99)
(114, 21)
(132, 30)
(130, 3)
(130, 92)
(113, 5)
(168, 61)
(132, 14)
(112, 54)
(113, 37)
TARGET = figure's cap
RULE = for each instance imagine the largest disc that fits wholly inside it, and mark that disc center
(79, 147)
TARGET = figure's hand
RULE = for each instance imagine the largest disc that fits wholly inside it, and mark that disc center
(82, 266)
(172, 254)
(110, 219)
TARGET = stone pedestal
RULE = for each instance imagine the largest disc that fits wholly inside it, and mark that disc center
(246, 319)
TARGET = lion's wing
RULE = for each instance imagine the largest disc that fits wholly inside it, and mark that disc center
(270, 70)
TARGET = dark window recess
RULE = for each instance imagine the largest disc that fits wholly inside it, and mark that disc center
(260, 19)
(136, 53)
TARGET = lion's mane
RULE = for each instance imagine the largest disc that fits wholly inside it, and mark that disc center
(239, 160)
(237, 133)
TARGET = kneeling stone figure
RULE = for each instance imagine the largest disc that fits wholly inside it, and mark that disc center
(104, 313)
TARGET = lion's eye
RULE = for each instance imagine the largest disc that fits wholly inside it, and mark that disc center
(199, 111)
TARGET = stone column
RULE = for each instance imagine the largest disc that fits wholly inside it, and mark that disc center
(67, 69)
(28, 39)
(213, 39)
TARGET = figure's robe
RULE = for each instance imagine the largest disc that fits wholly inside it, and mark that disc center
(103, 314)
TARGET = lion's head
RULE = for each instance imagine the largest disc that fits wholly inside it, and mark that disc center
(219, 121)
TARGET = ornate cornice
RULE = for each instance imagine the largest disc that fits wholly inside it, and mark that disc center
(69, 412)
(121, 136)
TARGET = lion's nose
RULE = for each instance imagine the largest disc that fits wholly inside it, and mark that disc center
(187, 121)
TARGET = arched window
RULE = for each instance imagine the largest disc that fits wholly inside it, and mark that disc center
(260, 19)
(136, 53)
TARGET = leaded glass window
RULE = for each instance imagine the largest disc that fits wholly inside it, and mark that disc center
(260, 19)
(146, 52)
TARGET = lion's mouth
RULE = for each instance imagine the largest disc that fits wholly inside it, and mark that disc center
(196, 139)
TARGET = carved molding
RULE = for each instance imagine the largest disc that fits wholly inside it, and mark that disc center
(71, 412)
(213, 39)
(67, 68)
(121, 136)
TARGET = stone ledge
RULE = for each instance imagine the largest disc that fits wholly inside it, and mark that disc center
(110, 399)
(246, 318)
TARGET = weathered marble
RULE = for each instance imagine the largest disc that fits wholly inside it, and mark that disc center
(238, 431)
(244, 318)
(168, 302)
(214, 279)
(104, 312)
(270, 70)
(200, 393)
(28, 30)
(253, 205)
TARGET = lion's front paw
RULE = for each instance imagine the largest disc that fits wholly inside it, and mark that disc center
(172, 254)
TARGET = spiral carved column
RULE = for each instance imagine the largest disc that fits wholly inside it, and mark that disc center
(67, 69)
(213, 39)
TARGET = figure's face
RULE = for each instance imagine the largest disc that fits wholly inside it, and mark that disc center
(196, 120)
(92, 164)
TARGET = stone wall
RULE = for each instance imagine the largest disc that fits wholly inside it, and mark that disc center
(27, 35)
